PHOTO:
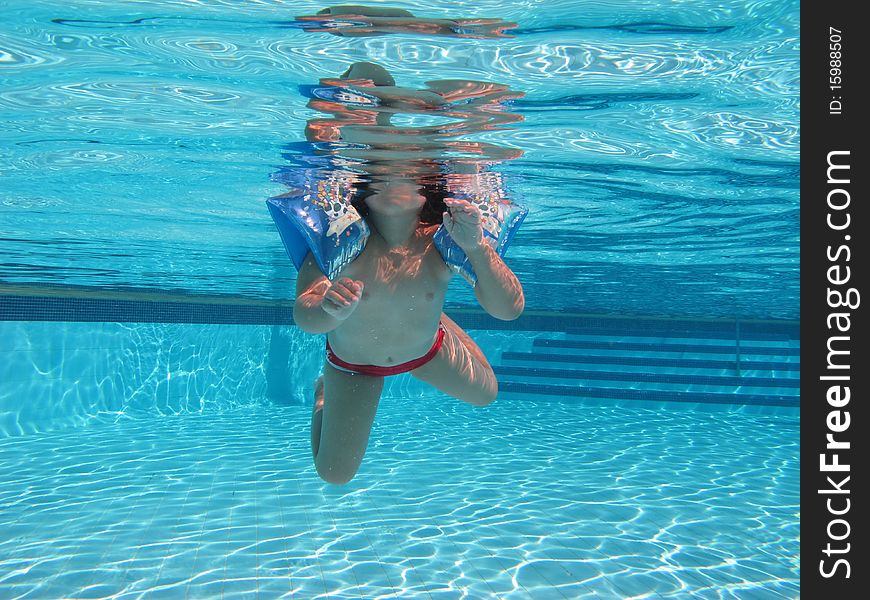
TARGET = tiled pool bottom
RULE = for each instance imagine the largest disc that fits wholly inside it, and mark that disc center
(522, 499)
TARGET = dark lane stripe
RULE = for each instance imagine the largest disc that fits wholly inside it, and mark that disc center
(649, 377)
(665, 347)
(657, 396)
(622, 331)
(699, 363)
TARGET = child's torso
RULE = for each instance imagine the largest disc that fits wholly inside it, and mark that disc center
(403, 296)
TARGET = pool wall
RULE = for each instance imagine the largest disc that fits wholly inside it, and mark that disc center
(61, 367)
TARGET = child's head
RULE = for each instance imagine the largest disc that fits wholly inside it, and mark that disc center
(395, 192)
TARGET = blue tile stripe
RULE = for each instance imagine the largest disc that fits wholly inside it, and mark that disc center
(59, 308)
(649, 395)
(651, 361)
(82, 303)
(723, 380)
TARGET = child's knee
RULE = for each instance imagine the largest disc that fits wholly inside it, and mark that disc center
(484, 395)
(334, 475)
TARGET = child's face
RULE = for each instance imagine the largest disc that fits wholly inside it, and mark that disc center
(395, 197)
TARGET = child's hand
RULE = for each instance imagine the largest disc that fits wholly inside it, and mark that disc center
(342, 298)
(462, 222)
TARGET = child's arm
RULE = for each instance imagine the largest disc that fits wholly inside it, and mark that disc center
(322, 305)
(497, 289)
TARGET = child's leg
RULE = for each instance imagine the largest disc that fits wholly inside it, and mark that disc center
(344, 410)
(460, 369)
(317, 416)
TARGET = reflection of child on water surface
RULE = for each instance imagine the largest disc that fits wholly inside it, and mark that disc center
(383, 313)
(358, 21)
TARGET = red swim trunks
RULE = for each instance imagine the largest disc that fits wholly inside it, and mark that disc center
(378, 371)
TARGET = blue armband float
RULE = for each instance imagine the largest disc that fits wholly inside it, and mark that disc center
(317, 216)
(500, 218)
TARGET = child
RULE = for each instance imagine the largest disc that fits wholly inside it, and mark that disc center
(383, 312)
